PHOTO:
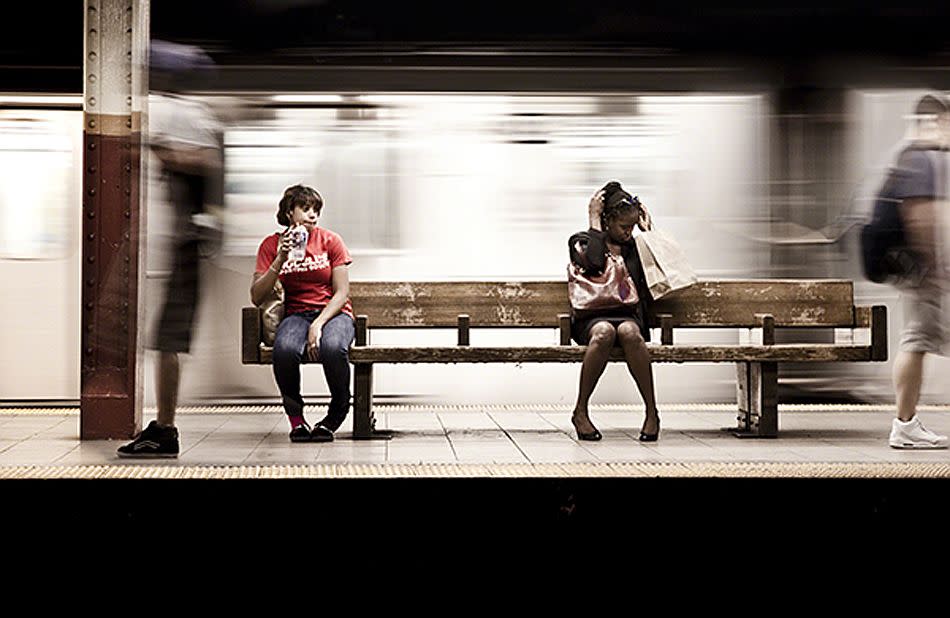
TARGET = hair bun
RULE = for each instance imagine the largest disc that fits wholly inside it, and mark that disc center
(611, 187)
(618, 197)
(616, 200)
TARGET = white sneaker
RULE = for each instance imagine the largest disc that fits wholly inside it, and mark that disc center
(913, 435)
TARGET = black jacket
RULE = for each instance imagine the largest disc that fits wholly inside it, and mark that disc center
(588, 250)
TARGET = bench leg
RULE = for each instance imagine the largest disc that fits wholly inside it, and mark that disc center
(742, 398)
(364, 423)
(757, 395)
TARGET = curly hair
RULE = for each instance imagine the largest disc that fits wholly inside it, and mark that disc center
(298, 195)
(618, 202)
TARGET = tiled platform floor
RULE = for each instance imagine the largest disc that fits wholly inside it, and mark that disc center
(257, 436)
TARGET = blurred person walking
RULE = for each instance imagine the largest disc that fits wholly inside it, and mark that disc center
(917, 186)
(185, 138)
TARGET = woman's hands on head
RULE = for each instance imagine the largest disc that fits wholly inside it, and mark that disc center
(646, 221)
(595, 208)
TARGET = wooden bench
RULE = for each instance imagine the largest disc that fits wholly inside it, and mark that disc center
(763, 305)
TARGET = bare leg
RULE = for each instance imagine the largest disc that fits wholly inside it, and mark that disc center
(908, 378)
(166, 382)
(602, 336)
(638, 363)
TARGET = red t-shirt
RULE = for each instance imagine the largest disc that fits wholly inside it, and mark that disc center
(308, 283)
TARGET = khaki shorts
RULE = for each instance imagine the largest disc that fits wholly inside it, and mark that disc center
(176, 323)
(926, 320)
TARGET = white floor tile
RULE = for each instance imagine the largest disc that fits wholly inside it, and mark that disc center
(346, 451)
(300, 454)
(467, 421)
(421, 451)
(488, 452)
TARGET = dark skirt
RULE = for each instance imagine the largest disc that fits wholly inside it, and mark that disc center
(581, 324)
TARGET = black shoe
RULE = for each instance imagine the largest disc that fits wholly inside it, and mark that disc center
(300, 433)
(321, 434)
(154, 442)
(651, 437)
(592, 436)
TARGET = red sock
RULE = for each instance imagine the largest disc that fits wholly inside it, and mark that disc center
(296, 420)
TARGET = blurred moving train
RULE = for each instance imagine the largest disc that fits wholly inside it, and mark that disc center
(454, 186)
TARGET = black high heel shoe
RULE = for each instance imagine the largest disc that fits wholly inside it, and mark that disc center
(591, 436)
(651, 437)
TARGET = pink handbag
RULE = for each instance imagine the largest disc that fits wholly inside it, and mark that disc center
(612, 289)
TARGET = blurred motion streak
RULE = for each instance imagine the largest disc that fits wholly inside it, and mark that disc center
(432, 186)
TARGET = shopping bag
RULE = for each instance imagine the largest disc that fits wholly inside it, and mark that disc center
(664, 263)
(272, 312)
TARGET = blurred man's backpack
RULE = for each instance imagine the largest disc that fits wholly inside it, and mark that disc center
(885, 253)
(884, 249)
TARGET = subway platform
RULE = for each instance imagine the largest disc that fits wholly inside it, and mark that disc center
(513, 464)
(247, 441)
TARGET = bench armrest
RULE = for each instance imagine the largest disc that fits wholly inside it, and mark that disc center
(250, 335)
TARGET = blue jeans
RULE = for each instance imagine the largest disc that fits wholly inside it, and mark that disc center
(290, 350)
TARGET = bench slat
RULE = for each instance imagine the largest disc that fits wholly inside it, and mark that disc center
(438, 304)
(793, 303)
(658, 353)
(569, 354)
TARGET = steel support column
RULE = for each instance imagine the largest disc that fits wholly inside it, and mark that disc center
(115, 102)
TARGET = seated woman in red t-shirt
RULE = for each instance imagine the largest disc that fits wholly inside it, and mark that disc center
(318, 316)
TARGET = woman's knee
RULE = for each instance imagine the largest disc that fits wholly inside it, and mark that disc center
(286, 349)
(333, 354)
(629, 335)
(336, 339)
(334, 349)
(286, 359)
(602, 334)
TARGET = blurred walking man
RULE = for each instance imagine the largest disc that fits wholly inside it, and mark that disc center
(184, 137)
(920, 184)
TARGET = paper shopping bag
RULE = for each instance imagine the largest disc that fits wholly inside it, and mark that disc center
(664, 263)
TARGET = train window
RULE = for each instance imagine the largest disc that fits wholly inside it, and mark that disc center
(37, 182)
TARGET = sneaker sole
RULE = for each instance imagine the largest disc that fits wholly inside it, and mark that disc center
(910, 446)
(147, 455)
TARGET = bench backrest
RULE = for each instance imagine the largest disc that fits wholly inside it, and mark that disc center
(730, 303)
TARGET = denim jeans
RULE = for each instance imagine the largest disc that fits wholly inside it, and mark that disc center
(290, 350)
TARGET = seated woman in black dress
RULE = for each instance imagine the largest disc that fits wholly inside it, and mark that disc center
(610, 302)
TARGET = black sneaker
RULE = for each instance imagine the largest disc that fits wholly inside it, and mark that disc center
(321, 434)
(154, 442)
(300, 433)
